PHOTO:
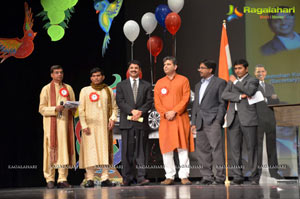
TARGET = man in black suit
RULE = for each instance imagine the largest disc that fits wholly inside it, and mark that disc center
(134, 98)
(242, 121)
(266, 123)
(207, 117)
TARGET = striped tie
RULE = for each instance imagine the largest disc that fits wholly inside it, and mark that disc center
(135, 90)
(263, 85)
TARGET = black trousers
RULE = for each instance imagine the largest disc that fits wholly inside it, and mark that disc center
(133, 154)
(235, 138)
(270, 132)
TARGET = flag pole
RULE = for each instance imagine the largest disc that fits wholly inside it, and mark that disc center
(227, 182)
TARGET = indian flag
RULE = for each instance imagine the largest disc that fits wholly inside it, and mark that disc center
(225, 63)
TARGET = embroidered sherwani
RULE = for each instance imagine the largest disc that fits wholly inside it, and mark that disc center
(94, 148)
(47, 111)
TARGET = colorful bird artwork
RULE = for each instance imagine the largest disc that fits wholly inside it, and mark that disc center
(19, 48)
(107, 12)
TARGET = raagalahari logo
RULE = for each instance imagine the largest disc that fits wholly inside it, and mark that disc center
(235, 14)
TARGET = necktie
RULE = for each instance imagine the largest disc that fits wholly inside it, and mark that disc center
(134, 89)
(263, 85)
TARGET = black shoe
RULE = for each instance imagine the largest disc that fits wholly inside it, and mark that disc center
(63, 185)
(237, 182)
(126, 183)
(107, 183)
(143, 182)
(89, 184)
(254, 182)
(50, 185)
(205, 182)
(218, 182)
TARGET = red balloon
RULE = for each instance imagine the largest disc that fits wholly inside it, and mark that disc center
(155, 45)
(173, 22)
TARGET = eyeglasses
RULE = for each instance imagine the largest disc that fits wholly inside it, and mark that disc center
(199, 68)
(58, 72)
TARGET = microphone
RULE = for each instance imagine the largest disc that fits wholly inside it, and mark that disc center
(60, 112)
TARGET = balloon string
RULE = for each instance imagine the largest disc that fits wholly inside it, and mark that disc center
(150, 56)
(175, 45)
(154, 68)
(132, 51)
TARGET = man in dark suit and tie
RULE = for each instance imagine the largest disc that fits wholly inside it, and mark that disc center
(134, 98)
(266, 123)
(242, 121)
(207, 117)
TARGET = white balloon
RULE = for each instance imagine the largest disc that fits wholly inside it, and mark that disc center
(131, 30)
(149, 22)
(176, 5)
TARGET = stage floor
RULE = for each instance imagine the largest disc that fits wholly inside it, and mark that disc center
(154, 191)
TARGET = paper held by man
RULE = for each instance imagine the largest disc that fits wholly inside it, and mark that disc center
(71, 104)
(141, 119)
(258, 97)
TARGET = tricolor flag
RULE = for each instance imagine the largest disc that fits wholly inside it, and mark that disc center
(225, 64)
(225, 70)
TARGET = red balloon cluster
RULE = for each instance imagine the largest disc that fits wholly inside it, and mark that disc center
(173, 22)
(154, 45)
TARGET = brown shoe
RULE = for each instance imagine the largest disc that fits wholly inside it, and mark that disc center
(167, 182)
(185, 181)
(50, 185)
(63, 184)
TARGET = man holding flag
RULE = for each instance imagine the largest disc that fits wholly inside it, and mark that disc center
(242, 121)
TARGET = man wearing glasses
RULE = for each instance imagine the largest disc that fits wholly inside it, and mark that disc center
(207, 117)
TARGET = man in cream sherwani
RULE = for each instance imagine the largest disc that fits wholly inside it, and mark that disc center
(97, 113)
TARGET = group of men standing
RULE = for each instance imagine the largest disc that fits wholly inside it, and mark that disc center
(98, 113)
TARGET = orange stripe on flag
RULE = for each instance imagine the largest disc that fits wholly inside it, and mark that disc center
(224, 58)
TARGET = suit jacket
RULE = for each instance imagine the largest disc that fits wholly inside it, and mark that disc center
(265, 114)
(125, 101)
(212, 106)
(247, 113)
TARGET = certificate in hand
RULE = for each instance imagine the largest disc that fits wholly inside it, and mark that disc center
(141, 119)
(71, 104)
(258, 97)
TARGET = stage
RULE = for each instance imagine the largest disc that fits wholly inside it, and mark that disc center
(289, 190)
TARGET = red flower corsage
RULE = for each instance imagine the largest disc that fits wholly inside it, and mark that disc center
(164, 91)
(94, 97)
(64, 92)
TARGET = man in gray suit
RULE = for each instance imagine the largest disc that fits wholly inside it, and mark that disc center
(242, 121)
(266, 123)
(207, 117)
(134, 98)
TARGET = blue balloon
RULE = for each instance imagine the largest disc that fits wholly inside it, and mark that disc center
(161, 13)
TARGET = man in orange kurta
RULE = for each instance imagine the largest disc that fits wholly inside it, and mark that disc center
(171, 97)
